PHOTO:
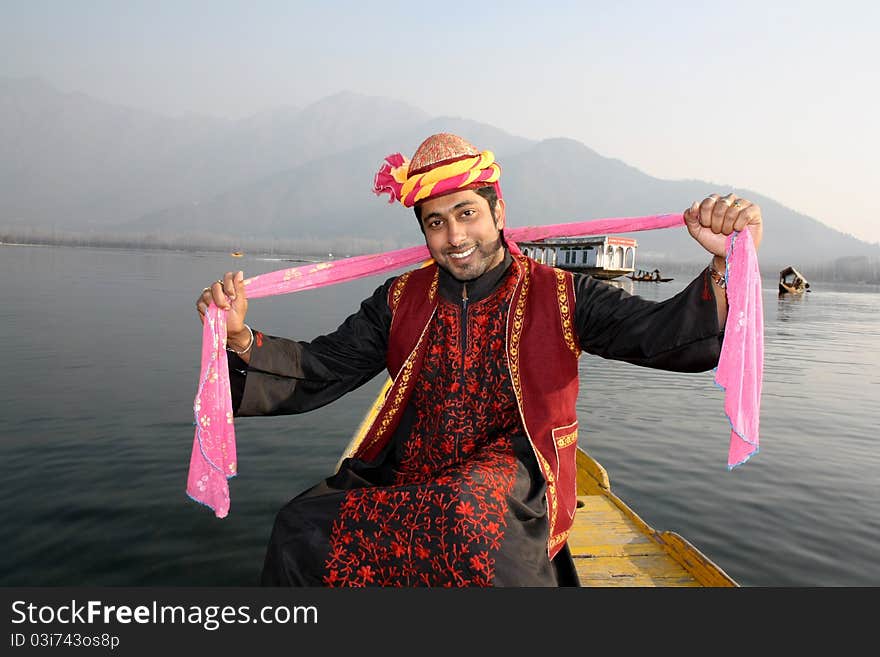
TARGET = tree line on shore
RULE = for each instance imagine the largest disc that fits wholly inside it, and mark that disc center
(272, 247)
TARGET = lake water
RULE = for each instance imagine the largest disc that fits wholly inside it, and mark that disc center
(100, 354)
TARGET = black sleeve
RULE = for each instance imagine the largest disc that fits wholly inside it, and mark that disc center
(289, 376)
(680, 333)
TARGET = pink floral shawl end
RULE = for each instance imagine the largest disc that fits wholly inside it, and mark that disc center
(741, 365)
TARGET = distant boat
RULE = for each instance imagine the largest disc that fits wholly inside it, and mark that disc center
(236, 254)
(791, 281)
(648, 277)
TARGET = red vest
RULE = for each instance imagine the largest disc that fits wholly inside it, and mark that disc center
(542, 357)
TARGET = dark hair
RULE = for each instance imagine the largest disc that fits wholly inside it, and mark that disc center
(489, 193)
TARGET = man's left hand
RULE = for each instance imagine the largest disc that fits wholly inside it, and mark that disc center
(716, 217)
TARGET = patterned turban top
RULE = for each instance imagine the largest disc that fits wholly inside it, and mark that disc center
(442, 164)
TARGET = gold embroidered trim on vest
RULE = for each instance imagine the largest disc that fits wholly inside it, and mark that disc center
(565, 310)
(516, 335)
(398, 393)
(432, 292)
(567, 439)
(397, 291)
(559, 539)
(552, 501)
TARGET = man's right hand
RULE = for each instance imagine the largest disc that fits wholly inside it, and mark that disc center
(228, 294)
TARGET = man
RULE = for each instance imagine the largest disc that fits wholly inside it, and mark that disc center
(466, 477)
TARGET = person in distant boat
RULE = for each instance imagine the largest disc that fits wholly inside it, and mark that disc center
(466, 476)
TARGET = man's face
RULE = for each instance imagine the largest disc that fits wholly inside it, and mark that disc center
(462, 235)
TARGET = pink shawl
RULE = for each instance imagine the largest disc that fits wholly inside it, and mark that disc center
(739, 370)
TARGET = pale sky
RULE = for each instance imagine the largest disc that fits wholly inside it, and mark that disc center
(779, 97)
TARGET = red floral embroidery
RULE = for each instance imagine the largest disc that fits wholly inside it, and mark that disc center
(444, 518)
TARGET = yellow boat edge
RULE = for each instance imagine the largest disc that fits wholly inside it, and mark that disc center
(593, 480)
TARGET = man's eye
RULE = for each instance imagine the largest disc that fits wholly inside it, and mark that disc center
(468, 213)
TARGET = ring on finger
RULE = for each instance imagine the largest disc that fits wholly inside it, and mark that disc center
(737, 203)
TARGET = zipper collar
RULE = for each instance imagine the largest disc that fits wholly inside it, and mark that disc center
(479, 288)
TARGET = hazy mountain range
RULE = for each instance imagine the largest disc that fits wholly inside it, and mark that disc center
(73, 164)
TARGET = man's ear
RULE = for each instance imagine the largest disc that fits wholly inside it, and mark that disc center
(499, 214)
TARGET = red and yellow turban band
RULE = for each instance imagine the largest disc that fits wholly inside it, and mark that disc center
(467, 172)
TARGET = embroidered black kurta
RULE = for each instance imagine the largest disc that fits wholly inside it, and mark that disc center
(456, 498)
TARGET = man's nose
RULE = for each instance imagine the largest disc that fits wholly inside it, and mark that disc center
(457, 233)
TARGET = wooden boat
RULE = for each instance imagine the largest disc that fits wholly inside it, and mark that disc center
(610, 544)
(649, 277)
(791, 281)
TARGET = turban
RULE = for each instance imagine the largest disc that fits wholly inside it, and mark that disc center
(442, 164)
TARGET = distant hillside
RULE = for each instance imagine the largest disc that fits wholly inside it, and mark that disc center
(78, 163)
(73, 164)
(579, 184)
(547, 182)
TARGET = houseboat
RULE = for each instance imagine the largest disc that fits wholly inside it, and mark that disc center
(604, 257)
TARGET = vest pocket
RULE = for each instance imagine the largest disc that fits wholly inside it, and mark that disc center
(565, 441)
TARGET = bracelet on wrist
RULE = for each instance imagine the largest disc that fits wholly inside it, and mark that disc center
(246, 349)
(717, 277)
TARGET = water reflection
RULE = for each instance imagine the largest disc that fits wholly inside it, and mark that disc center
(96, 449)
(789, 306)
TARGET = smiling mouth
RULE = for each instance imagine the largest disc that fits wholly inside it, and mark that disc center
(463, 254)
